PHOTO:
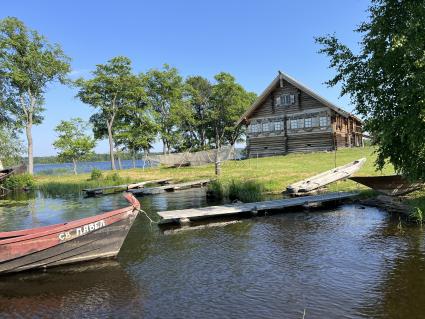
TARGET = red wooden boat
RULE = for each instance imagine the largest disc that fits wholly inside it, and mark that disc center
(100, 236)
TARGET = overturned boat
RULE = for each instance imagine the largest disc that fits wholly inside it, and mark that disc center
(392, 185)
(315, 182)
(85, 239)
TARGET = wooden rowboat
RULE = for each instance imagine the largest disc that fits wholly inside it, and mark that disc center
(325, 178)
(392, 185)
(85, 239)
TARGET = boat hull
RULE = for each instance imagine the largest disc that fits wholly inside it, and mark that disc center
(392, 185)
(92, 238)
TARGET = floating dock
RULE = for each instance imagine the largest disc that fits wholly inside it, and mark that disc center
(184, 216)
(119, 188)
(168, 188)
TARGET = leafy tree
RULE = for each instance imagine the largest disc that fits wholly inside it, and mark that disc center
(195, 118)
(10, 147)
(229, 100)
(136, 132)
(386, 80)
(112, 89)
(165, 89)
(73, 142)
(28, 63)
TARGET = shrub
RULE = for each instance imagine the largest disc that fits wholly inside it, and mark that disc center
(19, 181)
(245, 191)
(215, 190)
(115, 177)
(96, 174)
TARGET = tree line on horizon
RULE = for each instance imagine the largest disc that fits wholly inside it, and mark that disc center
(131, 109)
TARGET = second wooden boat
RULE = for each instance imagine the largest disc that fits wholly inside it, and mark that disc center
(89, 238)
(392, 185)
(325, 178)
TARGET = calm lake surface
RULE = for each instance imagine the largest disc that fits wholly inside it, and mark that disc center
(347, 262)
(85, 167)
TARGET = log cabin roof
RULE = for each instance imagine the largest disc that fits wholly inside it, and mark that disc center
(298, 85)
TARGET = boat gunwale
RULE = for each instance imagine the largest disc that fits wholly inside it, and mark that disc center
(12, 237)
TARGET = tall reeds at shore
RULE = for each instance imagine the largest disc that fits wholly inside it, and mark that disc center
(236, 190)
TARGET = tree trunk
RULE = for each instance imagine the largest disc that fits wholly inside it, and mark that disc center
(164, 147)
(217, 157)
(75, 166)
(134, 159)
(111, 145)
(119, 160)
(30, 145)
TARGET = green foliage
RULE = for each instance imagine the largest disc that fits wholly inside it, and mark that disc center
(385, 81)
(165, 89)
(10, 147)
(96, 174)
(241, 190)
(115, 177)
(28, 63)
(19, 181)
(112, 90)
(417, 215)
(73, 143)
(229, 100)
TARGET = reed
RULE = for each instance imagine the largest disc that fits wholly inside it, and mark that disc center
(236, 190)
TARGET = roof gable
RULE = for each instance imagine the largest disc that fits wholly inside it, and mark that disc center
(262, 98)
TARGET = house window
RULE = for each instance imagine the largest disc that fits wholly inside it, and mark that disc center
(323, 121)
(266, 127)
(255, 128)
(300, 123)
(278, 126)
(315, 122)
(308, 122)
(287, 99)
(294, 124)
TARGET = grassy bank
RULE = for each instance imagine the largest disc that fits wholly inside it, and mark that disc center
(273, 173)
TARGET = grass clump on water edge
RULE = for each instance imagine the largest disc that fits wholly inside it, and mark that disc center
(245, 191)
(95, 180)
(21, 181)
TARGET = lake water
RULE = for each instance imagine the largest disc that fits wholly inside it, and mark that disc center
(347, 262)
(85, 167)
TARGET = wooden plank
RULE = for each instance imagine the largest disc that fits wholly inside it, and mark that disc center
(119, 188)
(231, 209)
(169, 187)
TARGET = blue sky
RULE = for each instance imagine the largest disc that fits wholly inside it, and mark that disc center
(250, 39)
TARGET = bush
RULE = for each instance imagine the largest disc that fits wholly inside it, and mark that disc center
(19, 181)
(245, 191)
(215, 190)
(115, 177)
(96, 174)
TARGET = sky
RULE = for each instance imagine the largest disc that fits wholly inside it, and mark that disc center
(250, 39)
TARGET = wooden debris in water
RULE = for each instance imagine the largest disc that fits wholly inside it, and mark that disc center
(119, 188)
(200, 227)
(173, 216)
(169, 187)
(325, 178)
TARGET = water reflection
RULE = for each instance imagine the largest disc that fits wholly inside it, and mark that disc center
(346, 262)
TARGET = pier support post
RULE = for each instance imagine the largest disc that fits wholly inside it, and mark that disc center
(184, 221)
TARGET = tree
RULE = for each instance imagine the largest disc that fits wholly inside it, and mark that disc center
(73, 142)
(136, 131)
(112, 89)
(164, 89)
(229, 100)
(385, 81)
(28, 63)
(10, 147)
(195, 118)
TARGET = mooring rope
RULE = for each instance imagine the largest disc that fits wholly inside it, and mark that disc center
(147, 216)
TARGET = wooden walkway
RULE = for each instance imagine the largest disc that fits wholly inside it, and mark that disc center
(184, 215)
(168, 188)
(119, 188)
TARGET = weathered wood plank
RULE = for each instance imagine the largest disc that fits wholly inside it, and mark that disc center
(120, 188)
(169, 187)
(231, 209)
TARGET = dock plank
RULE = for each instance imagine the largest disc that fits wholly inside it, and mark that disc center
(169, 187)
(210, 211)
